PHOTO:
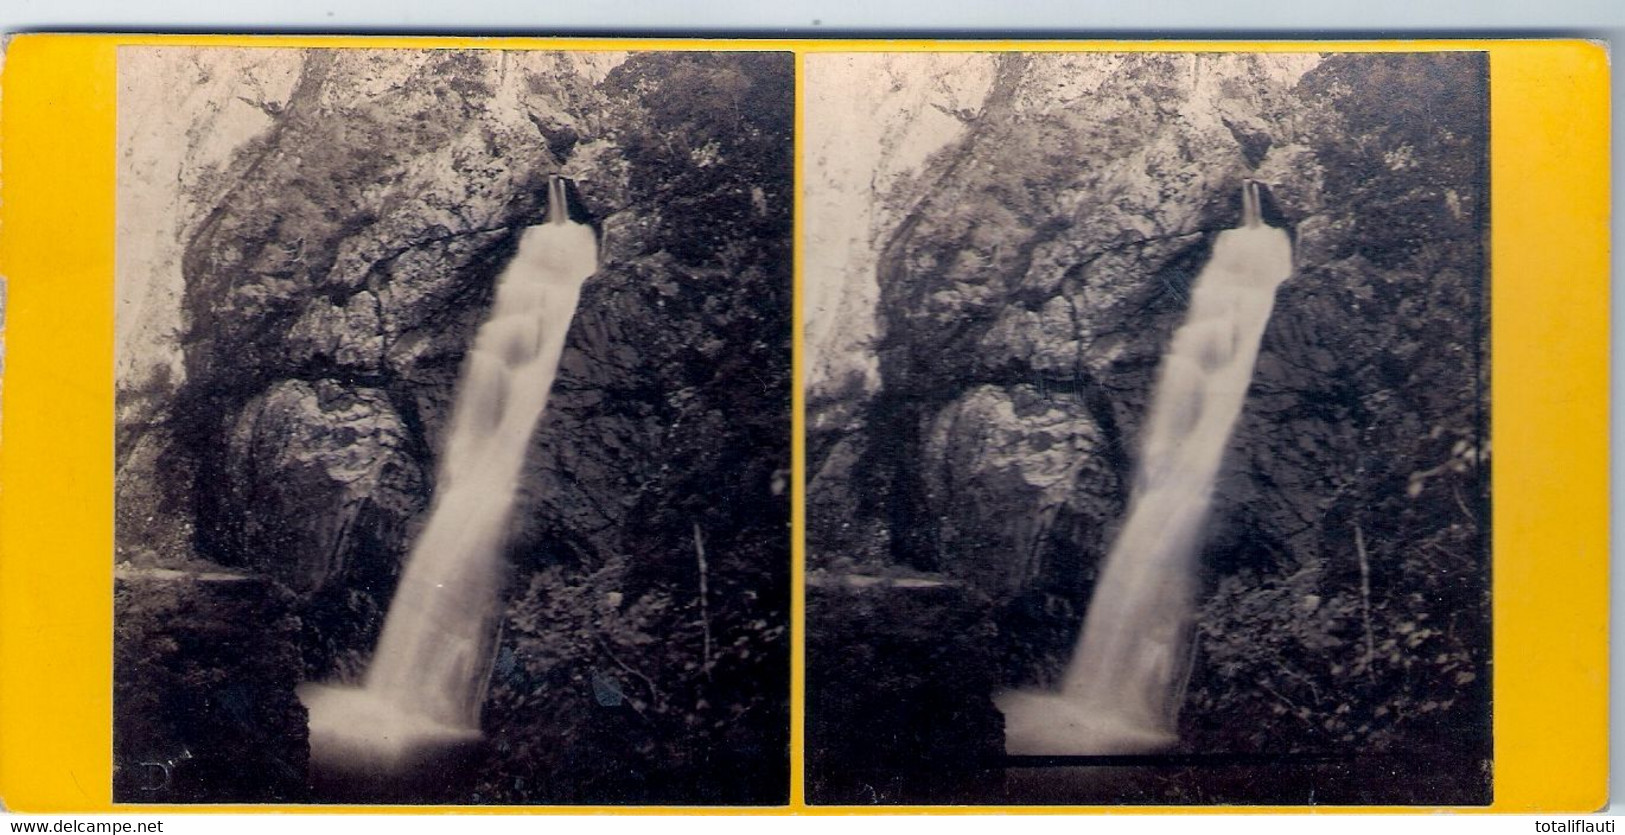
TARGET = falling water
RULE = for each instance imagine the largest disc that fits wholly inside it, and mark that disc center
(428, 676)
(1122, 690)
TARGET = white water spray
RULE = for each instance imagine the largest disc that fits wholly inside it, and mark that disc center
(428, 676)
(1122, 690)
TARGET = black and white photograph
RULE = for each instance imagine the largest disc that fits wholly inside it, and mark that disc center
(453, 426)
(1147, 428)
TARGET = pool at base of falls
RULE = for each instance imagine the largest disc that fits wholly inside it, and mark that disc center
(1044, 723)
(356, 730)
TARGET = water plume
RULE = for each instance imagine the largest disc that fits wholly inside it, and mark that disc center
(424, 688)
(1122, 690)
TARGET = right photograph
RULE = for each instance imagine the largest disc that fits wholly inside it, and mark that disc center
(1147, 428)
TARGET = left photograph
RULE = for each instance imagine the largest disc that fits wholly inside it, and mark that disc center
(453, 426)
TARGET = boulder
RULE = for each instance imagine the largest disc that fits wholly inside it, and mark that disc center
(1026, 473)
(333, 483)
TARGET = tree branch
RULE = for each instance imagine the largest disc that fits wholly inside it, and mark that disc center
(1365, 599)
(705, 604)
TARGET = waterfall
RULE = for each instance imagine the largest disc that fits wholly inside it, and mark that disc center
(1122, 690)
(428, 676)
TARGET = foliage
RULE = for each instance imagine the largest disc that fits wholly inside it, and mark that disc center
(1403, 139)
(604, 692)
(708, 151)
(1292, 663)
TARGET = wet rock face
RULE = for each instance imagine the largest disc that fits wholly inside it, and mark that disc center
(1078, 171)
(355, 258)
(329, 223)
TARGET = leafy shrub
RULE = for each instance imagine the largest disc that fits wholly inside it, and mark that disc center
(611, 691)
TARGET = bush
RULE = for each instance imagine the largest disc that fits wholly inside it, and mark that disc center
(607, 690)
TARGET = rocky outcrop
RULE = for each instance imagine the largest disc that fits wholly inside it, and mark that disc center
(997, 446)
(855, 151)
(1037, 269)
(330, 294)
(328, 480)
